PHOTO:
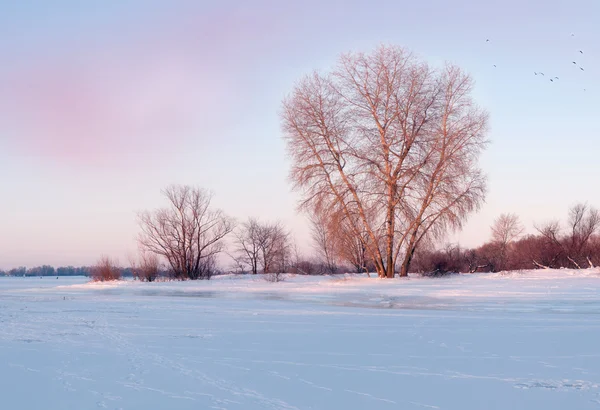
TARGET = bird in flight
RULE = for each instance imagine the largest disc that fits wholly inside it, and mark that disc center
(542, 73)
(551, 80)
(581, 68)
(574, 62)
(581, 51)
(487, 41)
(494, 65)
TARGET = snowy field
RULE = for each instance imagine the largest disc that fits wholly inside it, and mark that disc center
(527, 340)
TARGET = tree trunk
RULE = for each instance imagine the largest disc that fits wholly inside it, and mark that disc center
(412, 246)
(574, 263)
(390, 267)
(406, 263)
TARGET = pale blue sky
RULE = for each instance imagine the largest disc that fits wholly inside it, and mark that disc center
(103, 104)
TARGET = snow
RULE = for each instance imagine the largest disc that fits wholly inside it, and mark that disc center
(518, 340)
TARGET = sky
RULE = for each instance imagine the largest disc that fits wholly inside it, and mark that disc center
(104, 103)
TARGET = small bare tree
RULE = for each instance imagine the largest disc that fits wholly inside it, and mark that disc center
(264, 246)
(105, 270)
(247, 240)
(506, 229)
(148, 267)
(188, 234)
(274, 246)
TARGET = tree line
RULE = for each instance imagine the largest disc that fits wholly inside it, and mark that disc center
(573, 243)
(258, 247)
(47, 270)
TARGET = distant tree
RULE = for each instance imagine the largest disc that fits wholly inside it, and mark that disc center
(505, 230)
(551, 250)
(105, 270)
(73, 271)
(450, 259)
(247, 241)
(274, 247)
(575, 248)
(147, 269)
(584, 222)
(44, 270)
(262, 246)
(594, 249)
(188, 234)
(20, 271)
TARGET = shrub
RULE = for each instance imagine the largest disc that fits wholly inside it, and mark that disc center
(105, 270)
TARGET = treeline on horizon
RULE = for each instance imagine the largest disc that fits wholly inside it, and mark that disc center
(47, 270)
(555, 245)
(267, 248)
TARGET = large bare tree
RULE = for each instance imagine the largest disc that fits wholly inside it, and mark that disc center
(188, 233)
(392, 145)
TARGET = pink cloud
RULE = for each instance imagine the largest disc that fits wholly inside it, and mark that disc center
(147, 93)
(102, 110)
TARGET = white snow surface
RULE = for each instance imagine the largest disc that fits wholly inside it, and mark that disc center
(517, 340)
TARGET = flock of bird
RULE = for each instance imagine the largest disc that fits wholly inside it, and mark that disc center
(552, 79)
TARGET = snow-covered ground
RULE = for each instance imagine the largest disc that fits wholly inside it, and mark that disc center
(528, 340)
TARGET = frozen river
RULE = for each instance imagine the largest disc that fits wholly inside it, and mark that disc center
(525, 341)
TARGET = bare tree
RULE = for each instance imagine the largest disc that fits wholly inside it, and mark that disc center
(506, 229)
(148, 267)
(188, 234)
(247, 239)
(262, 245)
(392, 145)
(105, 270)
(551, 233)
(574, 247)
(274, 247)
(584, 222)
